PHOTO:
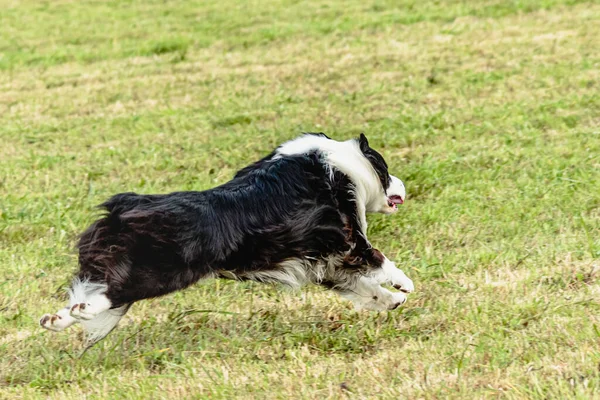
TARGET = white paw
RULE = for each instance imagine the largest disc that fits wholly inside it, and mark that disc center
(373, 305)
(56, 322)
(398, 299)
(81, 311)
(402, 282)
(384, 300)
(397, 278)
(50, 322)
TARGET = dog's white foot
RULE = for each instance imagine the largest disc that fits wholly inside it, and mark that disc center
(397, 278)
(51, 322)
(90, 308)
(368, 295)
(82, 311)
(397, 300)
(384, 300)
(403, 283)
(57, 322)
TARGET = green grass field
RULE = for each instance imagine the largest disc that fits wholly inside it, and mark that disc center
(489, 111)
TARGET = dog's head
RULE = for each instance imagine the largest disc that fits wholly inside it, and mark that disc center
(392, 191)
(375, 188)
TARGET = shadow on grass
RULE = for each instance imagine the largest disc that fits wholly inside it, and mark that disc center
(48, 360)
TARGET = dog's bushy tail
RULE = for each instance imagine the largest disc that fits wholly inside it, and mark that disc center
(105, 247)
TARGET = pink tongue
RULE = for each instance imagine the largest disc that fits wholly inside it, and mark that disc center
(396, 200)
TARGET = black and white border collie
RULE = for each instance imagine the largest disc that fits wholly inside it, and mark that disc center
(297, 216)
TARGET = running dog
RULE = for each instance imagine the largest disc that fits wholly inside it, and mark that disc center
(295, 217)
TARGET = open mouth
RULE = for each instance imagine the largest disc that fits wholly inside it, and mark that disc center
(394, 200)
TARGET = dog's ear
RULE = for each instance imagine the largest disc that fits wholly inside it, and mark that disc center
(363, 142)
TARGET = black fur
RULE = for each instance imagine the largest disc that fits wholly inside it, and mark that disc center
(273, 210)
(377, 161)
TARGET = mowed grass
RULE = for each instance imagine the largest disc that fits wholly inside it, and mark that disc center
(488, 110)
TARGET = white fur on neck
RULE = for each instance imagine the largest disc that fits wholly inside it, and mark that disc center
(348, 159)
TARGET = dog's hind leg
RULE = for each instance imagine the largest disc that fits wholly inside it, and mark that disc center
(93, 309)
(103, 323)
(88, 305)
(86, 301)
(59, 321)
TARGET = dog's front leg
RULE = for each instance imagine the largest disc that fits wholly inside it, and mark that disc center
(367, 294)
(382, 269)
(388, 273)
(366, 291)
